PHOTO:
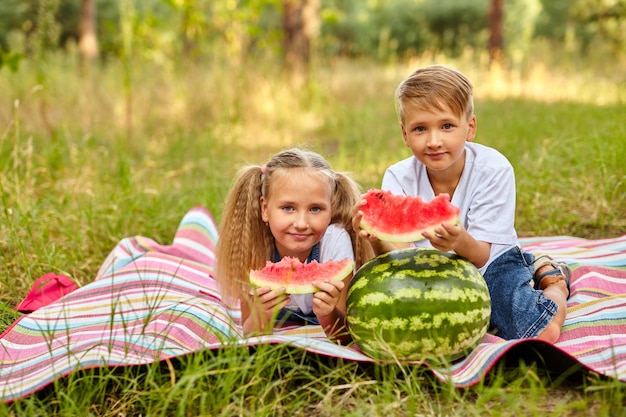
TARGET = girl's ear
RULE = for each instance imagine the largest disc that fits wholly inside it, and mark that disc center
(263, 204)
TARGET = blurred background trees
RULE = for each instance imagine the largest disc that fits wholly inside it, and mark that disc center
(300, 31)
(150, 91)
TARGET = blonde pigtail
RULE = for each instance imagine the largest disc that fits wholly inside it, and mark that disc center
(346, 196)
(245, 242)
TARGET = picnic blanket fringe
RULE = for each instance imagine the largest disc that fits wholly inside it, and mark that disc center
(150, 302)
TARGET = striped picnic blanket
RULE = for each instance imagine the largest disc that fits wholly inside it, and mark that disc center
(150, 302)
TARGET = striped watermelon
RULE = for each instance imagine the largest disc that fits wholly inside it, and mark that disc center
(397, 218)
(418, 304)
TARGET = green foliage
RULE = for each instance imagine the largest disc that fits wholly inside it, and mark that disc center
(585, 25)
(521, 18)
(604, 20)
(14, 16)
(11, 60)
(456, 25)
(48, 29)
(66, 200)
(165, 30)
(553, 20)
(387, 28)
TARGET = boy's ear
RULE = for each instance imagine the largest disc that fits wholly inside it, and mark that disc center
(406, 142)
(471, 129)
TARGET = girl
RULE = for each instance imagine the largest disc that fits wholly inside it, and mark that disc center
(295, 205)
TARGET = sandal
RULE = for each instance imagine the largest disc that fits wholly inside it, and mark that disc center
(561, 271)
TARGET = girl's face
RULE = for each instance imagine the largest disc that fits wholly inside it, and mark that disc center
(437, 138)
(297, 209)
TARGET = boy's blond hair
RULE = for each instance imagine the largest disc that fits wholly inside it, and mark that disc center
(435, 87)
(246, 242)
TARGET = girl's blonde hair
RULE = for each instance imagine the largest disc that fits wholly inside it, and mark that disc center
(435, 87)
(245, 241)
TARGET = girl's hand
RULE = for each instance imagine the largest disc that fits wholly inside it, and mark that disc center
(263, 304)
(326, 300)
(268, 301)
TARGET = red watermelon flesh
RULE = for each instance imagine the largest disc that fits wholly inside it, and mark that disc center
(396, 218)
(297, 277)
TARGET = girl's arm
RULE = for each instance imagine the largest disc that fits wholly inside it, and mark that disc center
(259, 308)
(329, 305)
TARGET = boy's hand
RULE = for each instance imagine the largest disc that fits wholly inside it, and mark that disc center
(325, 301)
(378, 246)
(449, 237)
(446, 237)
(357, 216)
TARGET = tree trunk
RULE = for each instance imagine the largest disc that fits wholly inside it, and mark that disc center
(496, 24)
(300, 21)
(188, 43)
(88, 43)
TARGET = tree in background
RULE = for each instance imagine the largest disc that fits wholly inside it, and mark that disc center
(605, 19)
(496, 25)
(236, 31)
(88, 37)
(300, 23)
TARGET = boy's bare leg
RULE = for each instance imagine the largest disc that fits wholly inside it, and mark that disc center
(558, 293)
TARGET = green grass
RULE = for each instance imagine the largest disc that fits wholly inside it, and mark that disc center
(289, 382)
(75, 179)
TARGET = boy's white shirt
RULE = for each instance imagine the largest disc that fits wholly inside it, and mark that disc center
(335, 245)
(485, 194)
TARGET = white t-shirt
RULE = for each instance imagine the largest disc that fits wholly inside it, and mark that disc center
(334, 246)
(485, 194)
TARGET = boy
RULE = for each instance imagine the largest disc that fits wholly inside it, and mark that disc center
(435, 107)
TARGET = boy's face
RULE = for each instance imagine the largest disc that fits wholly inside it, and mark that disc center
(437, 137)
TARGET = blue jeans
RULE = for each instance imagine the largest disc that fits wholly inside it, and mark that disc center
(518, 311)
(288, 316)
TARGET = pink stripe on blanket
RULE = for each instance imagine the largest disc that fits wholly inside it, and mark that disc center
(150, 301)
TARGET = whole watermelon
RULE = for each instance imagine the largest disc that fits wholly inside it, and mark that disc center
(418, 304)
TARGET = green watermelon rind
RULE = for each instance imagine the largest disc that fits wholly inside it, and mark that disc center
(408, 205)
(393, 323)
(309, 272)
(412, 236)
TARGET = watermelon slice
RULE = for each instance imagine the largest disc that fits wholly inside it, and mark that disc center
(396, 218)
(296, 276)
